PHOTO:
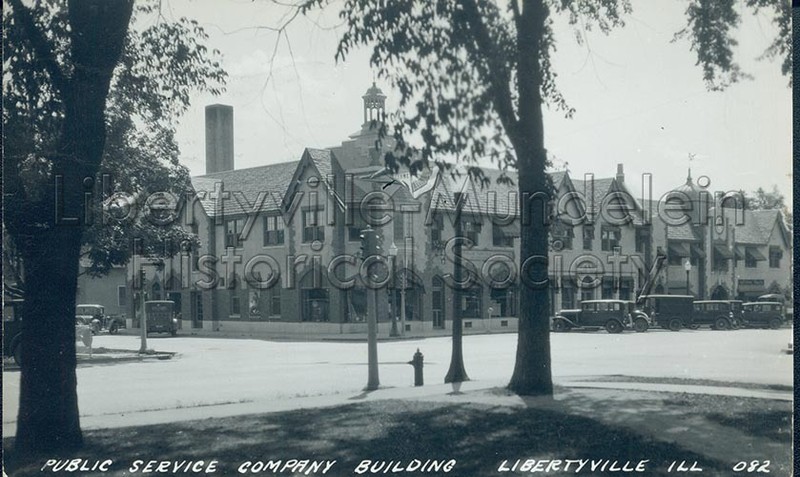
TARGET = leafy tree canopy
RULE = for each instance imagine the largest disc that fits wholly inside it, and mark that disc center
(456, 64)
(162, 64)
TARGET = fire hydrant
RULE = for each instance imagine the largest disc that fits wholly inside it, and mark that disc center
(416, 361)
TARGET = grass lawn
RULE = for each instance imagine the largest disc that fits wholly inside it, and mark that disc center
(716, 432)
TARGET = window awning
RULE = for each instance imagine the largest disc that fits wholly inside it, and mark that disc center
(724, 251)
(739, 252)
(697, 250)
(679, 249)
(753, 253)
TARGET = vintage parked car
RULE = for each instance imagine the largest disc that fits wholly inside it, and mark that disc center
(95, 317)
(763, 314)
(718, 314)
(788, 311)
(91, 316)
(671, 312)
(613, 315)
(161, 317)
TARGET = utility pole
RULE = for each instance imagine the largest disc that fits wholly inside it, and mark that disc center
(457, 373)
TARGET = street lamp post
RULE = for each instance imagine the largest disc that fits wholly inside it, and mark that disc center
(687, 265)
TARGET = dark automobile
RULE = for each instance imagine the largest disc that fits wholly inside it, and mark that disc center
(613, 315)
(161, 317)
(788, 311)
(671, 312)
(763, 314)
(12, 329)
(718, 314)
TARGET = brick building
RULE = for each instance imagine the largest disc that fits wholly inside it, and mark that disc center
(279, 243)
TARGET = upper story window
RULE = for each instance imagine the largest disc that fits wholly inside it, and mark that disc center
(273, 230)
(312, 226)
(563, 233)
(233, 233)
(610, 238)
(720, 262)
(472, 230)
(398, 225)
(354, 230)
(588, 237)
(642, 239)
(502, 236)
(775, 256)
(437, 227)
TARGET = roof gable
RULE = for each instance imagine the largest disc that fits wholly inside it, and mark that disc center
(243, 189)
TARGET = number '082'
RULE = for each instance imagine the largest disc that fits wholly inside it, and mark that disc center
(761, 466)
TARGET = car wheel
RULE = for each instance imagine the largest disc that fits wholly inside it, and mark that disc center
(559, 326)
(614, 326)
(775, 323)
(640, 325)
(174, 332)
(721, 324)
(114, 328)
(675, 324)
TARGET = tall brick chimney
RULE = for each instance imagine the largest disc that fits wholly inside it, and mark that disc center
(620, 174)
(219, 138)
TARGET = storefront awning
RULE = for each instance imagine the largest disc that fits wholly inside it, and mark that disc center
(724, 251)
(739, 252)
(754, 254)
(697, 250)
(679, 249)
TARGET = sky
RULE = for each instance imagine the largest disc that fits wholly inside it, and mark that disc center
(639, 97)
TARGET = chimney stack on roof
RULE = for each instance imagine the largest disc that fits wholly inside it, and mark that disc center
(219, 138)
(620, 174)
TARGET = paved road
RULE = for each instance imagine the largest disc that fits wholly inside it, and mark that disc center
(211, 376)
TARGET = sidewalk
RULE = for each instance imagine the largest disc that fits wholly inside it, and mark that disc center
(480, 427)
(484, 392)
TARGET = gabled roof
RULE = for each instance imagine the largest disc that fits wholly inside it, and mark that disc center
(758, 227)
(322, 161)
(499, 198)
(244, 187)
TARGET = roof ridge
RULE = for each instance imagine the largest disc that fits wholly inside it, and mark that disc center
(211, 175)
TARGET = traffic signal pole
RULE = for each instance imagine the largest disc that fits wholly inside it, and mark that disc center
(371, 247)
(373, 380)
(143, 320)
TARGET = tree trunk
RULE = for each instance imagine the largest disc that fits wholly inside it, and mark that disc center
(48, 414)
(532, 375)
(48, 408)
(457, 373)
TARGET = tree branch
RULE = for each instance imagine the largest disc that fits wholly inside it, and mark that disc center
(498, 75)
(41, 46)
